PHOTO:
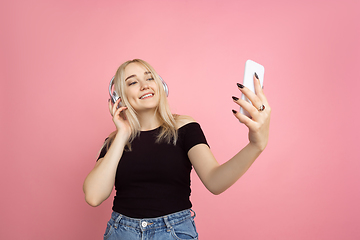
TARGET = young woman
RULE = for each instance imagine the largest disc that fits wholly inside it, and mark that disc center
(150, 156)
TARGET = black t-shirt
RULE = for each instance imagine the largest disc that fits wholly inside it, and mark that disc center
(153, 179)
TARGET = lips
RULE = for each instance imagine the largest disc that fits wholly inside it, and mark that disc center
(146, 95)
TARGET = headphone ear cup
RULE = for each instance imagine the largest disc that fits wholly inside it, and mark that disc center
(114, 97)
(165, 86)
(113, 94)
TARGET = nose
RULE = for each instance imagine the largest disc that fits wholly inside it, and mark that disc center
(144, 85)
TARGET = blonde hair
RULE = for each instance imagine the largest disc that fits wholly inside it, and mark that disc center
(168, 132)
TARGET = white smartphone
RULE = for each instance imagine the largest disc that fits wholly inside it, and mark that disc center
(251, 68)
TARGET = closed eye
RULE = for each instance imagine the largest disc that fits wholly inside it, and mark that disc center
(134, 82)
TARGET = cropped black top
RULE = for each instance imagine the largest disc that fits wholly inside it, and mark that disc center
(153, 179)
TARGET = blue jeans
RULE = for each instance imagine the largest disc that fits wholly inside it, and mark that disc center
(179, 225)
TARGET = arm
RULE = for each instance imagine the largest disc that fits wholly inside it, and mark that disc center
(217, 178)
(99, 182)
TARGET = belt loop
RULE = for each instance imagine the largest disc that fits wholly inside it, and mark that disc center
(194, 213)
(166, 220)
(117, 221)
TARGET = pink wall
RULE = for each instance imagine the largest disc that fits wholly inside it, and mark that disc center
(57, 58)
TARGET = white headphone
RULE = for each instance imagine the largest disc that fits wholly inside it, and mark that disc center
(114, 96)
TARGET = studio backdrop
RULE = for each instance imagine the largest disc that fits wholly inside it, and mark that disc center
(57, 58)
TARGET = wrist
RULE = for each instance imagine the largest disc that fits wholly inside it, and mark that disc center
(259, 147)
(121, 139)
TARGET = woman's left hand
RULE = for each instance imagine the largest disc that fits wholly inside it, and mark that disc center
(260, 112)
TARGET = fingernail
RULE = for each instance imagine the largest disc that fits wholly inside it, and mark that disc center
(257, 77)
(234, 112)
(235, 98)
(240, 85)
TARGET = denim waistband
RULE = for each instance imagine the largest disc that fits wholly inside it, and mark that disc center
(151, 223)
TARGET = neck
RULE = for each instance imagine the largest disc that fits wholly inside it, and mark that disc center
(148, 120)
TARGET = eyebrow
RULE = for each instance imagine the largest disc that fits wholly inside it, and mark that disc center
(134, 75)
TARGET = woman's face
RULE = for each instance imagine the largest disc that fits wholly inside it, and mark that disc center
(140, 87)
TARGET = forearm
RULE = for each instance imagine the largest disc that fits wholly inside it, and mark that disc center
(99, 183)
(225, 175)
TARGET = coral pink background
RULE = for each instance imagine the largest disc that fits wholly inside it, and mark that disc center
(57, 58)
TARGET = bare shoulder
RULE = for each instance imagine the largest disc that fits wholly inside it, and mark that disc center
(182, 120)
(109, 138)
(112, 134)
